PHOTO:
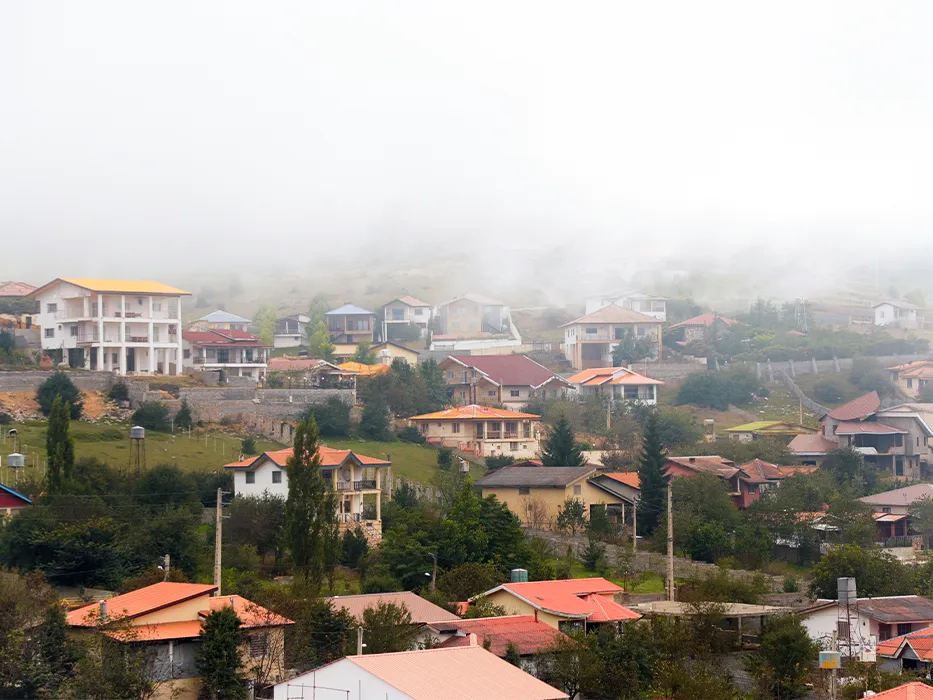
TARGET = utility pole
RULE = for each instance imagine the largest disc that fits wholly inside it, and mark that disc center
(434, 573)
(670, 544)
(168, 566)
(217, 540)
(359, 641)
(635, 527)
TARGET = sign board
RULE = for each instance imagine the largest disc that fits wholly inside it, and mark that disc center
(830, 659)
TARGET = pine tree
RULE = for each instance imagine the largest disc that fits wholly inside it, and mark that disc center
(561, 449)
(311, 508)
(183, 418)
(220, 662)
(653, 479)
(59, 446)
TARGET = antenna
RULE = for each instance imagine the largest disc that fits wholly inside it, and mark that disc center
(137, 449)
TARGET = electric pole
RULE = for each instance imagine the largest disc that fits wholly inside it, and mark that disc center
(635, 527)
(217, 540)
(670, 544)
(168, 566)
(434, 573)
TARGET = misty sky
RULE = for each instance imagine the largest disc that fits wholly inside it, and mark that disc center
(130, 131)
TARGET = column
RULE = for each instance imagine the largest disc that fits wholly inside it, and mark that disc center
(378, 502)
(178, 344)
(152, 359)
(123, 335)
(100, 332)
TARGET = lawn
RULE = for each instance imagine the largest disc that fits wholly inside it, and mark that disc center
(416, 463)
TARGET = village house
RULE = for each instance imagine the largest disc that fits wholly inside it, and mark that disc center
(220, 321)
(745, 482)
(912, 652)
(15, 291)
(166, 618)
(912, 376)
(292, 331)
(617, 384)
(388, 351)
(304, 372)
(459, 673)
(749, 432)
(11, 501)
(422, 611)
(648, 304)
(565, 605)
(892, 510)
(697, 329)
(350, 325)
(121, 326)
(357, 479)
(482, 430)
(535, 494)
(236, 353)
(872, 620)
(507, 380)
(403, 313)
(895, 314)
(589, 340)
(474, 323)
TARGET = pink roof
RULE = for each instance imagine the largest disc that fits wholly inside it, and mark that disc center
(859, 408)
(411, 301)
(506, 370)
(15, 289)
(599, 376)
(707, 319)
(613, 314)
(814, 444)
(529, 636)
(250, 614)
(139, 602)
(707, 464)
(460, 673)
(329, 458)
(567, 598)
(421, 610)
(909, 691)
(866, 428)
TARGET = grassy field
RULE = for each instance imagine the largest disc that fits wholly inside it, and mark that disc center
(413, 462)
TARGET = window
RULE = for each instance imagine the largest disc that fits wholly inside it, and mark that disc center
(424, 428)
(462, 394)
(904, 628)
(618, 333)
(51, 308)
(886, 510)
(513, 446)
(523, 491)
(491, 392)
(155, 334)
(842, 627)
(910, 383)
(250, 477)
(515, 393)
(328, 474)
(591, 331)
(276, 477)
(640, 332)
(752, 489)
(577, 489)
(74, 334)
(884, 632)
(511, 427)
(157, 307)
(450, 374)
(455, 427)
(526, 429)
(187, 353)
(899, 466)
(49, 332)
(258, 645)
(463, 378)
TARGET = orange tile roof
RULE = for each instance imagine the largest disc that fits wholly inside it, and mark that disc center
(474, 411)
(115, 286)
(329, 458)
(797, 469)
(814, 444)
(614, 314)
(421, 610)
(160, 632)
(139, 602)
(627, 478)
(606, 610)
(761, 472)
(365, 370)
(529, 636)
(250, 614)
(909, 691)
(707, 319)
(567, 598)
(598, 376)
(859, 408)
(460, 673)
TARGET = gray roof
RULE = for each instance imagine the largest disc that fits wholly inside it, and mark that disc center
(223, 317)
(349, 310)
(513, 477)
(896, 304)
(900, 497)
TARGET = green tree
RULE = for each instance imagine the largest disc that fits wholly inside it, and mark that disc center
(220, 660)
(921, 518)
(248, 446)
(183, 417)
(364, 353)
(438, 391)
(571, 665)
(311, 507)
(849, 470)
(571, 516)
(388, 627)
(631, 349)
(152, 415)
(787, 654)
(59, 446)
(354, 546)
(561, 448)
(319, 344)
(59, 385)
(322, 634)
(332, 417)
(469, 579)
(374, 423)
(258, 521)
(653, 478)
(317, 309)
(876, 572)
(265, 322)
(512, 654)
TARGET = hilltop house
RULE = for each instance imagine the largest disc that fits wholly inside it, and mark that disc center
(350, 324)
(697, 328)
(892, 509)
(912, 376)
(165, 619)
(403, 313)
(616, 384)
(237, 353)
(220, 321)
(474, 322)
(121, 326)
(748, 432)
(647, 304)
(292, 331)
(589, 340)
(896, 314)
(509, 380)
(310, 373)
(357, 479)
(388, 351)
(745, 482)
(482, 430)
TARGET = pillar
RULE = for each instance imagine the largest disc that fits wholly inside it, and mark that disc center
(123, 335)
(100, 332)
(152, 358)
(378, 505)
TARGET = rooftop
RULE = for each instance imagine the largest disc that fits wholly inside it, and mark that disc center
(224, 338)
(678, 609)
(613, 314)
(477, 299)
(921, 641)
(859, 408)
(707, 319)
(421, 610)
(762, 472)
(901, 497)
(349, 310)
(223, 317)
(412, 301)
(707, 464)
(290, 363)
(15, 494)
(897, 304)
(529, 636)
(628, 478)
(506, 370)
(365, 370)
(329, 458)
(115, 286)
(814, 444)
(572, 598)
(599, 376)
(909, 691)
(477, 412)
(771, 426)
(867, 428)
(139, 602)
(534, 477)
(888, 609)
(15, 289)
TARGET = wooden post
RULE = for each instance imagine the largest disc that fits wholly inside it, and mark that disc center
(217, 541)
(670, 544)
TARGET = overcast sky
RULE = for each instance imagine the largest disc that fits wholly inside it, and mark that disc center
(131, 132)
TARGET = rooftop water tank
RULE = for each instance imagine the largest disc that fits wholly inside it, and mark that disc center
(519, 575)
(846, 591)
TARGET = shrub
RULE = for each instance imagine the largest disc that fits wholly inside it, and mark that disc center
(112, 435)
(332, 417)
(119, 392)
(59, 384)
(375, 422)
(248, 446)
(382, 583)
(411, 434)
(829, 390)
(5, 418)
(718, 390)
(496, 461)
(152, 415)
(791, 584)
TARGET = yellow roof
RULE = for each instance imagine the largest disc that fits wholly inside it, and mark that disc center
(365, 370)
(116, 286)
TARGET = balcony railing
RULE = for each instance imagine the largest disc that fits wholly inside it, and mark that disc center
(361, 485)
(198, 360)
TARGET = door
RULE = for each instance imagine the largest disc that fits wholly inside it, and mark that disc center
(131, 360)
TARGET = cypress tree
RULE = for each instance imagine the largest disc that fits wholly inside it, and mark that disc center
(220, 662)
(310, 509)
(653, 478)
(59, 447)
(561, 449)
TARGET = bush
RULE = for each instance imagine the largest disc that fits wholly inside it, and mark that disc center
(718, 390)
(248, 446)
(375, 422)
(332, 417)
(829, 390)
(119, 392)
(59, 384)
(382, 583)
(791, 584)
(496, 461)
(152, 415)
(411, 434)
(5, 418)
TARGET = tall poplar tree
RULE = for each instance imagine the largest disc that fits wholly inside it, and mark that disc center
(59, 447)
(653, 478)
(310, 509)
(561, 449)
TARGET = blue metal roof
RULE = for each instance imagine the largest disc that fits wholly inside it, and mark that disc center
(14, 493)
(349, 310)
(223, 317)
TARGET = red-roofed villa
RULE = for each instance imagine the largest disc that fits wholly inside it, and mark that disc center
(236, 352)
(618, 383)
(507, 380)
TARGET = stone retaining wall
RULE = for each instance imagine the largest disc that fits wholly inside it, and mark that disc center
(30, 380)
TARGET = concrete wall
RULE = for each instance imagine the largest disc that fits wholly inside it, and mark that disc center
(31, 379)
(256, 408)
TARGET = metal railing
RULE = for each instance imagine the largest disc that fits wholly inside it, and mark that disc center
(359, 485)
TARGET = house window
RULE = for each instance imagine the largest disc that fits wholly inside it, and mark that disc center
(328, 474)
(74, 331)
(491, 392)
(513, 446)
(250, 477)
(450, 374)
(591, 331)
(577, 489)
(157, 307)
(899, 466)
(49, 332)
(618, 333)
(523, 491)
(515, 393)
(276, 477)
(526, 430)
(455, 427)
(511, 427)
(842, 627)
(424, 428)
(186, 353)
(398, 315)
(904, 628)
(752, 489)
(640, 332)
(51, 308)
(884, 632)
(910, 383)
(258, 645)
(463, 377)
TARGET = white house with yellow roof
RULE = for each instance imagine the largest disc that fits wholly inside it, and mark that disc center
(121, 326)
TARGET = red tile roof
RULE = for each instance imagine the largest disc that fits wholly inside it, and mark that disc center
(139, 602)
(909, 691)
(529, 636)
(599, 376)
(707, 319)
(859, 408)
(421, 610)
(628, 478)
(507, 370)
(814, 444)
(761, 472)
(569, 598)
(607, 610)
(921, 641)
(474, 411)
(329, 458)
(613, 314)
(707, 464)
(15, 289)
(851, 427)
(224, 338)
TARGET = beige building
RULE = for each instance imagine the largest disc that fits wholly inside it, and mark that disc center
(589, 340)
(388, 351)
(482, 430)
(912, 376)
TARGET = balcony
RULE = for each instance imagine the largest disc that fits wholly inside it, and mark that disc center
(198, 360)
(361, 485)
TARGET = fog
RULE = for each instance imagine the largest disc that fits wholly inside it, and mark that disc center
(574, 143)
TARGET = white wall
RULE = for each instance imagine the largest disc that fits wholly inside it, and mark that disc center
(263, 472)
(333, 683)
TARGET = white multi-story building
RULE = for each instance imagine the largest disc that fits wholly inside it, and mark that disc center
(122, 326)
(647, 304)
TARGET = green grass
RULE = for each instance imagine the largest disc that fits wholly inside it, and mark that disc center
(416, 463)
(644, 582)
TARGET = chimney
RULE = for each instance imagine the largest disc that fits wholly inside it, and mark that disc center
(103, 610)
(473, 639)
(693, 459)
